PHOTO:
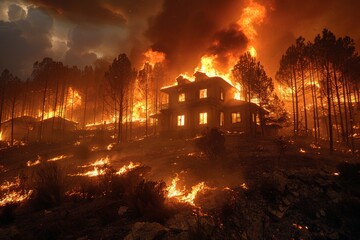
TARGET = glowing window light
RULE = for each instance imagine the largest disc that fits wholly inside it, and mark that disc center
(182, 97)
(203, 93)
(203, 118)
(235, 117)
(181, 120)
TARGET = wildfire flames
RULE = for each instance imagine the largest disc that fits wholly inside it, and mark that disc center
(11, 194)
(98, 168)
(182, 195)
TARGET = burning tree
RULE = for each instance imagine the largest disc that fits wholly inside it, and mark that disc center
(257, 86)
(119, 75)
(319, 78)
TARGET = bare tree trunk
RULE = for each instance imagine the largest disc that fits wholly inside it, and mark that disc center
(296, 103)
(12, 117)
(43, 109)
(85, 106)
(304, 99)
(339, 105)
(293, 103)
(312, 84)
(119, 139)
(328, 90)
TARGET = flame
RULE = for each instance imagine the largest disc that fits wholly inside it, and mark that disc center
(127, 168)
(98, 170)
(207, 66)
(15, 197)
(302, 150)
(252, 15)
(1, 139)
(252, 51)
(57, 158)
(73, 98)
(154, 57)
(30, 163)
(7, 185)
(110, 146)
(180, 194)
(101, 161)
(12, 192)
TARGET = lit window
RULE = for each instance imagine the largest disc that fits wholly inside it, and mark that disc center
(222, 119)
(222, 95)
(235, 117)
(181, 120)
(203, 93)
(203, 118)
(182, 97)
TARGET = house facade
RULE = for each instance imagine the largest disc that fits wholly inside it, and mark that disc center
(193, 107)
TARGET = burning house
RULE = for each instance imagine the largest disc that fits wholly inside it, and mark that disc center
(192, 107)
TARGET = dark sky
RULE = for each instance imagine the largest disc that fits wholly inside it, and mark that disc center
(78, 32)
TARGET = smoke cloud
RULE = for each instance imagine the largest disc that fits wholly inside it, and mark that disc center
(79, 32)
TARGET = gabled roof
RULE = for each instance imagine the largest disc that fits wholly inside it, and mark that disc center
(201, 80)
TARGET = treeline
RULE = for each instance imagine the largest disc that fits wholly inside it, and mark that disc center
(321, 80)
(101, 94)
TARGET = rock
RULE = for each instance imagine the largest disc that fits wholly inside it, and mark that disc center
(322, 212)
(83, 238)
(334, 235)
(276, 213)
(334, 196)
(286, 201)
(181, 222)
(146, 231)
(122, 210)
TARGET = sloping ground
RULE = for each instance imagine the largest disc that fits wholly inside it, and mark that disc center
(257, 189)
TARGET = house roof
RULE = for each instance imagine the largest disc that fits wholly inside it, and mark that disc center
(22, 119)
(238, 103)
(200, 79)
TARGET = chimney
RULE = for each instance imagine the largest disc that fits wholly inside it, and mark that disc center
(200, 76)
(181, 80)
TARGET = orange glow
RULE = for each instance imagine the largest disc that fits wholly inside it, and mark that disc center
(73, 98)
(57, 158)
(12, 194)
(181, 195)
(15, 197)
(252, 15)
(154, 57)
(127, 168)
(34, 163)
(252, 51)
(1, 136)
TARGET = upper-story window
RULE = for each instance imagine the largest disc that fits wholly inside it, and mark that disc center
(235, 117)
(181, 120)
(203, 118)
(182, 97)
(222, 119)
(203, 93)
(222, 95)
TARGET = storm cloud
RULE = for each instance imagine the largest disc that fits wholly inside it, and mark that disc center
(79, 32)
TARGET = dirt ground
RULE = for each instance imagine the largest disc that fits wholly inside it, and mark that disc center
(265, 188)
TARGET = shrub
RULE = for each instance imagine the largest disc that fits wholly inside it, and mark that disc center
(49, 186)
(148, 200)
(212, 143)
(7, 215)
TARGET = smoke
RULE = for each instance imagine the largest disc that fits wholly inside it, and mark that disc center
(287, 20)
(78, 32)
(24, 40)
(186, 30)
